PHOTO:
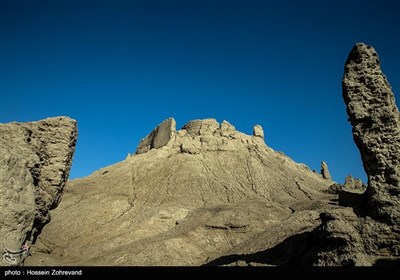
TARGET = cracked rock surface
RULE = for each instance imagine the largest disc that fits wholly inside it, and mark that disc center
(35, 160)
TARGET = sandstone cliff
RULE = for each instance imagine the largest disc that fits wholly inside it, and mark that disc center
(35, 159)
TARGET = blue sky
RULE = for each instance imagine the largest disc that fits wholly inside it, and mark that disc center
(121, 67)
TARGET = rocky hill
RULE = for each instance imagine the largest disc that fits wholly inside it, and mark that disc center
(185, 198)
(207, 194)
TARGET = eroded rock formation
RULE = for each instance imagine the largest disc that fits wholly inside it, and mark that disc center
(354, 184)
(199, 136)
(206, 189)
(364, 229)
(208, 194)
(371, 234)
(258, 131)
(159, 137)
(325, 171)
(375, 119)
(35, 160)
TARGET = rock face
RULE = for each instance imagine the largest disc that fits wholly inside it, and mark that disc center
(364, 229)
(371, 234)
(199, 136)
(159, 137)
(35, 160)
(325, 171)
(375, 119)
(202, 191)
(258, 131)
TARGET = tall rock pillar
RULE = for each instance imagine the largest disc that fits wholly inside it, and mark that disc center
(375, 119)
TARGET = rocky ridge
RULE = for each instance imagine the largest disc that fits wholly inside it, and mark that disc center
(200, 136)
(185, 197)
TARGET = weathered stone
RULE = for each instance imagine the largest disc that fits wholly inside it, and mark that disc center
(364, 230)
(346, 239)
(334, 188)
(350, 236)
(208, 127)
(159, 137)
(199, 136)
(209, 189)
(201, 127)
(258, 131)
(193, 127)
(215, 195)
(227, 130)
(35, 159)
(325, 171)
(351, 183)
(190, 147)
(375, 119)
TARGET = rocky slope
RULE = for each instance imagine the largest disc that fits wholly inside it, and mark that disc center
(208, 194)
(186, 197)
(35, 159)
(365, 231)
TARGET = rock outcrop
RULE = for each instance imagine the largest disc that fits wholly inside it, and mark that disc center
(206, 189)
(199, 136)
(35, 160)
(364, 229)
(369, 235)
(375, 119)
(353, 184)
(325, 171)
(159, 137)
(258, 131)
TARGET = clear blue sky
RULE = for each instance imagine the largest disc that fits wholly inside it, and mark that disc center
(121, 67)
